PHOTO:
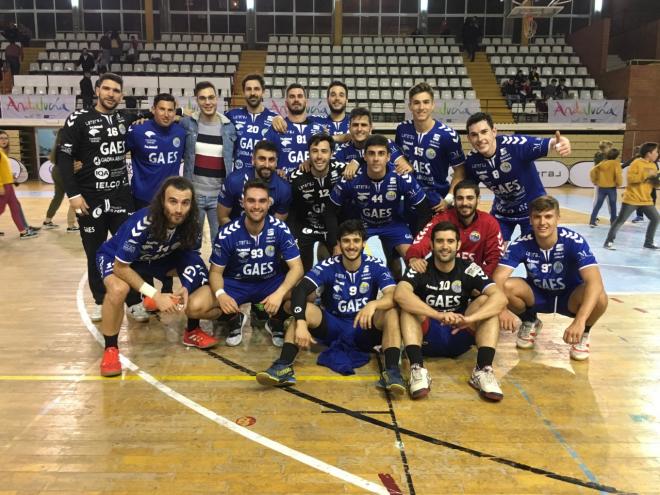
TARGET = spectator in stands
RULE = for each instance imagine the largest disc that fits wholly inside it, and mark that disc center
(509, 91)
(550, 91)
(561, 93)
(105, 56)
(520, 77)
(133, 50)
(14, 57)
(535, 77)
(24, 35)
(116, 47)
(471, 35)
(524, 90)
(87, 91)
(11, 33)
(86, 61)
(606, 175)
(444, 28)
(104, 62)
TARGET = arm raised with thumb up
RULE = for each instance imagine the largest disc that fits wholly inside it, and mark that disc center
(561, 144)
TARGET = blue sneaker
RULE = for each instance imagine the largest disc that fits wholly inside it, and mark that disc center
(391, 380)
(278, 375)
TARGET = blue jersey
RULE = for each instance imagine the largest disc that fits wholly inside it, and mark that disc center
(292, 145)
(555, 270)
(249, 258)
(510, 173)
(378, 201)
(231, 192)
(156, 153)
(431, 154)
(334, 127)
(250, 129)
(134, 241)
(346, 293)
(347, 152)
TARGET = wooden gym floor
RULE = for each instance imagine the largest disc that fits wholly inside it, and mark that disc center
(188, 421)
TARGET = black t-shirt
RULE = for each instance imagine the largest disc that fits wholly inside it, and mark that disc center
(448, 291)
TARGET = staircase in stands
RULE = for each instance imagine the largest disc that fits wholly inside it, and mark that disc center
(488, 90)
(251, 62)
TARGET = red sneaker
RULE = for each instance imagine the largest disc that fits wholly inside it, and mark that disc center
(198, 338)
(110, 365)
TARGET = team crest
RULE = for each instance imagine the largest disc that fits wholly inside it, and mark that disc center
(270, 251)
(475, 236)
(430, 153)
(558, 267)
(176, 142)
(390, 195)
(505, 167)
(122, 129)
(364, 288)
(456, 286)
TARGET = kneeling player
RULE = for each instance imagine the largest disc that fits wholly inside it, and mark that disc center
(351, 282)
(562, 277)
(438, 319)
(159, 241)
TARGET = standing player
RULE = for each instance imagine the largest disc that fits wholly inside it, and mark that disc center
(505, 164)
(251, 121)
(431, 147)
(291, 145)
(562, 277)
(246, 265)
(350, 310)
(99, 192)
(264, 160)
(481, 239)
(310, 195)
(438, 319)
(377, 193)
(157, 240)
(337, 122)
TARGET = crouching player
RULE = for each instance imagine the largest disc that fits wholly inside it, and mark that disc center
(351, 282)
(158, 240)
(438, 318)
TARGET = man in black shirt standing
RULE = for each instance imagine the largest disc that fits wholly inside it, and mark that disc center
(438, 317)
(99, 192)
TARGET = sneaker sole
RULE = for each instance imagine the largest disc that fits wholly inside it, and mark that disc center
(525, 345)
(139, 319)
(583, 356)
(420, 394)
(397, 390)
(208, 346)
(108, 374)
(490, 396)
(265, 379)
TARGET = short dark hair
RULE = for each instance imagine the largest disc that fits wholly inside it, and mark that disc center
(110, 76)
(164, 97)
(478, 117)
(336, 83)
(543, 203)
(317, 138)
(647, 148)
(295, 86)
(352, 226)
(255, 183)
(613, 154)
(467, 184)
(264, 145)
(444, 226)
(204, 85)
(422, 87)
(254, 77)
(377, 140)
(360, 112)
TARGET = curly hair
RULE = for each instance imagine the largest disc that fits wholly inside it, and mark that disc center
(190, 230)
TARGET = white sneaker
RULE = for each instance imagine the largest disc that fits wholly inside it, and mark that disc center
(420, 382)
(236, 325)
(96, 314)
(485, 382)
(138, 313)
(609, 245)
(527, 334)
(580, 351)
(277, 337)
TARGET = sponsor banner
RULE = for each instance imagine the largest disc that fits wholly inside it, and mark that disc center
(46, 172)
(37, 106)
(315, 106)
(552, 173)
(18, 171)
(585, 111)
(452, 111)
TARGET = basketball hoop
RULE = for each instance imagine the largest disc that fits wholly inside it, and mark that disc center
(522, 9)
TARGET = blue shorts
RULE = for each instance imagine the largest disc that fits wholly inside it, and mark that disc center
(391, 235)
(365, 340)
(438, 341)
(189, 267)
(544, 301)
(253, 292)
(507, 227)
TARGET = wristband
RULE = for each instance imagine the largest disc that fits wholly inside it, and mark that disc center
(449, 198)
(148, 290)
(219, 292)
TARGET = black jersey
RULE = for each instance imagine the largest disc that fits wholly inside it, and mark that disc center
(448, 291)
(310, 196)
(98, 141)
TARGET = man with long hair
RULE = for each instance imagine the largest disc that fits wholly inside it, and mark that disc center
(158, 240)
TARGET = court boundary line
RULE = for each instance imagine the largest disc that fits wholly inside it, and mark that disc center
(282, 449)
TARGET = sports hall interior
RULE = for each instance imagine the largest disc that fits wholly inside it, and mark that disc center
(184, 420)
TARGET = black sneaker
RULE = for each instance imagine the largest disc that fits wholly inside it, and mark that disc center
(235, 335)
(73, 229)
(651, 246)
(28, 234)
(50, 225)
(32, 227)
(1, 234)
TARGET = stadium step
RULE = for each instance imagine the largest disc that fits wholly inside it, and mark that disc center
(251, 62)
(485, 85)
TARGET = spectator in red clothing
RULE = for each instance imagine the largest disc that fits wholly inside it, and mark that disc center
(481, 239)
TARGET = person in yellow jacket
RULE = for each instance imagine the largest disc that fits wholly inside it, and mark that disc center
(607, 175)
(642, 180)
(7, 193)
